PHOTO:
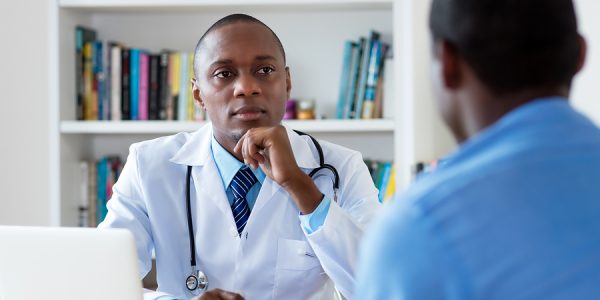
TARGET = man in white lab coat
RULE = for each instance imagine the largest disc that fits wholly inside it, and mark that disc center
(262, 228)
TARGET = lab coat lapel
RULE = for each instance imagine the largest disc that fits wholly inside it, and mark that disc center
(305, 158)
(196, 152)
(208, 184)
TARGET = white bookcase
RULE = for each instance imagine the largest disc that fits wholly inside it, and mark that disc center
(313, 33)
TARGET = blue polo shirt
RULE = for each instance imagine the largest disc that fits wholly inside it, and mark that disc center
(514, 213)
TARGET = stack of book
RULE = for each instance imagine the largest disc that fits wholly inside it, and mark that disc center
(361, 85)
(114, 82)
(97, 180)
(384, 176)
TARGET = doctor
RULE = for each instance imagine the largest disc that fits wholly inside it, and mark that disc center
(261, 226)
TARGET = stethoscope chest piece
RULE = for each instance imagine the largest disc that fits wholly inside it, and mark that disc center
(197, 281)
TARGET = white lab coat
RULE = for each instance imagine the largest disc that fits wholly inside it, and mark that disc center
(275, 258)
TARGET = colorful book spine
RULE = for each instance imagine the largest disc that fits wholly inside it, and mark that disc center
(182, 106)
(134, 85)
(89, 106)
(143, 84)
(355, 80)
(352, 81)
(153, 90)
(368, 105)
(125, 81)
(98, 78)
(163, 85)
(174, 81)
(191, 110)
(83, 35)
(115, 87)
(364, 71)
(345, 77)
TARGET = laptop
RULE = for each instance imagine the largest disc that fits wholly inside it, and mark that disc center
(68, 263)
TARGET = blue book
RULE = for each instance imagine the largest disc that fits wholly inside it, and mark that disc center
(355, 77)
(364, 71)
(348, 49)
(374, 64)
(101, 175)
(134, 83)
(385, 179)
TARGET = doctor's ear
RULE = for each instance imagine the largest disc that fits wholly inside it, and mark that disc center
(196, 93)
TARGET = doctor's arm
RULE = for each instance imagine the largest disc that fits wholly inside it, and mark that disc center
(337, 240)
(127, 210)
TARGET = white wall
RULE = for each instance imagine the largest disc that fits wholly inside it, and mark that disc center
(24, 169)
(24, 182)
(586, 91)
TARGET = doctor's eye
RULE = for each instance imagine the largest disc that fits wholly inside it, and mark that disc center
(265, 70)
(224, 74)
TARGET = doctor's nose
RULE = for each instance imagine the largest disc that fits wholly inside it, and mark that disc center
(246, 85)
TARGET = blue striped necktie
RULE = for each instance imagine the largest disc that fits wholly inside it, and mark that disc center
(240, 185)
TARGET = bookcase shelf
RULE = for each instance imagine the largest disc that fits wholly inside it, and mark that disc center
(170, 127)
(312, 32)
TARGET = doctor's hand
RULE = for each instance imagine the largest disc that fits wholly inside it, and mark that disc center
(269, 148)
(218, 294)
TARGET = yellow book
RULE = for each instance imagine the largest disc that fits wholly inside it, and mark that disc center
(390, 190)
(190, 100)
(174, 69)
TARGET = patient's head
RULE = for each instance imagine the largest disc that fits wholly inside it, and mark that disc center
(503, 49)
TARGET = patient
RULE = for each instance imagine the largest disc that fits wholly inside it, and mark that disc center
(514, 213)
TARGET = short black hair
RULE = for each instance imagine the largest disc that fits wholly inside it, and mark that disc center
(231, 19)
(511, 45)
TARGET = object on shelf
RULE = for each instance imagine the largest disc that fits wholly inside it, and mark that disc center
(384, 176)
(306, 110)
(361, 85)
(290, 110)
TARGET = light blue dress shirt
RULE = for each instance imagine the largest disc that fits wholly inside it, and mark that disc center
(228, 166)
(513, 214)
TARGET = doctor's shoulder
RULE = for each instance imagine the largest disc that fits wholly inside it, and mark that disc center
(159, 150)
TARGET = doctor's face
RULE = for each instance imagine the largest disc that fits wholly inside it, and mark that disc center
(242, 80)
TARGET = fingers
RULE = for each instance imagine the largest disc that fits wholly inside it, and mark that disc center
(218, 294)
(230, 296)
(251, 149)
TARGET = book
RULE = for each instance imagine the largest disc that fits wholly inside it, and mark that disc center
(125, 81)
(115, 79)
(354, 80)
(143, 87)
(174, 73)
(153, 89)
(84, 200)
(163, 85)
(83, 35)
(368, 104)
(134, 83)
(98, 78)
(378, 102)
(182, 105)
(390, 189)
(364, 71)
(345, 77)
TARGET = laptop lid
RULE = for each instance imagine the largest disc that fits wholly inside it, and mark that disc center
(67, 263)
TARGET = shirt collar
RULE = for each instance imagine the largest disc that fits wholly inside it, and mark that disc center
(228, 165)
(503, 131)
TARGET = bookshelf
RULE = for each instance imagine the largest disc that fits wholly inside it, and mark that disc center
(313, 33)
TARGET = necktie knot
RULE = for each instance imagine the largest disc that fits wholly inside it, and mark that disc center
(243, 180)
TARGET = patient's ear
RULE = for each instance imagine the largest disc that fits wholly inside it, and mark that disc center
(582, 53)
(450, 64)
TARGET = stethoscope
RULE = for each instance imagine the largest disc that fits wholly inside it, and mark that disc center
(197, 280)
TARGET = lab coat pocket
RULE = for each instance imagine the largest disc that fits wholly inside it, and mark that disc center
(298, 273)
(295, 255)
